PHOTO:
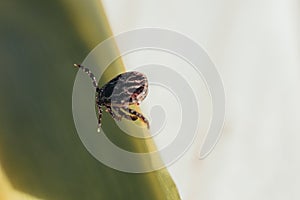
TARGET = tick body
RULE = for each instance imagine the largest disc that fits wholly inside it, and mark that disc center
(126, 89)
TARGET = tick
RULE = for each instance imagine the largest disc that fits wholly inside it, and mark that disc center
(124, 90)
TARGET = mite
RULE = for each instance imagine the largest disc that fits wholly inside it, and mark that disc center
(126, 89)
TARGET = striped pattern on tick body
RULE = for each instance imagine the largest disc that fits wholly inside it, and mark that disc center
(129, 88)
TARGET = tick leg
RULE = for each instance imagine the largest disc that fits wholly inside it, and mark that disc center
(123, 113)
(111, 112)
(99, 108)
(139, 115)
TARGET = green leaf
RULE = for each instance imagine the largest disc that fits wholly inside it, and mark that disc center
(40, 151)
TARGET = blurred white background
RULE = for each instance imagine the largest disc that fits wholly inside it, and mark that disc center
(256, 48)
